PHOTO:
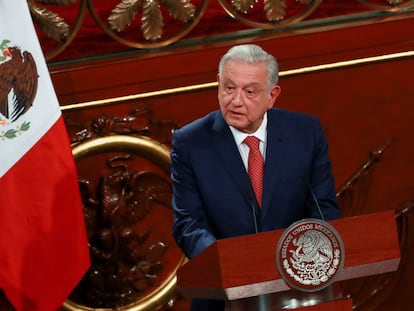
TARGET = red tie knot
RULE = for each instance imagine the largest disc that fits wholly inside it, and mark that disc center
(252, 142)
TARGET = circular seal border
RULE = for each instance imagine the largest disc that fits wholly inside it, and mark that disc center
(300, 227)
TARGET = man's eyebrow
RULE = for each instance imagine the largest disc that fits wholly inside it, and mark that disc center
(252, 84)
(227, 80)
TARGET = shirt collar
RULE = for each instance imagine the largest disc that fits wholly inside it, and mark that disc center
(260, 133)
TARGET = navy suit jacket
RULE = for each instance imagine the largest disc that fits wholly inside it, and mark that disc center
(213, 196)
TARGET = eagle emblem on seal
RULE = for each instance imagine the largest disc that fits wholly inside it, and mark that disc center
(311, 247)
(18, 78)
(309, 255)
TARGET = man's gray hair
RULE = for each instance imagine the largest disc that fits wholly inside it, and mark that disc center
(252, 53)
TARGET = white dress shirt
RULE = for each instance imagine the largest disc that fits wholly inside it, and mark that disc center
(240, 136)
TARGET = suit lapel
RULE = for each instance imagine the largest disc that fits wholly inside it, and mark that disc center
(275, 155)
(231, 160)
(230, 156)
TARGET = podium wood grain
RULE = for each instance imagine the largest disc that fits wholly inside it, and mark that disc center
(245, 266)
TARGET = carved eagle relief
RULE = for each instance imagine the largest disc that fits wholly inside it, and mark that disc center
(18, 74)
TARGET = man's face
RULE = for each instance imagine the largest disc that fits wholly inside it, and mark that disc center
(244, 94)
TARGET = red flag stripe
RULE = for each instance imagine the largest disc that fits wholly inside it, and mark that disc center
(44, 246)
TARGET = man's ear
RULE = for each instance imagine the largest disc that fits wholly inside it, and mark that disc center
(274, 94)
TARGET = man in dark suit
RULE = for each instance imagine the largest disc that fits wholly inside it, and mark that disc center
(213, 197)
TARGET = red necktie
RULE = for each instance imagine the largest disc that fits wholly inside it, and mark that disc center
(255, 167)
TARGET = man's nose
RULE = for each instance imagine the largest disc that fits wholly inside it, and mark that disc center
(237, 97)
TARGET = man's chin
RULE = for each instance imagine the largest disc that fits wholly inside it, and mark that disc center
(237, 125)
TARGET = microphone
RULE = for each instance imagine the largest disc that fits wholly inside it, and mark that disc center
(252, 201)
(309, 186)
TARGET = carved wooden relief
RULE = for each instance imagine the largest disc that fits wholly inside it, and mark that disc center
(153, 24)
(369, 293)
(137, 122)
(352, 195)
(126, 194)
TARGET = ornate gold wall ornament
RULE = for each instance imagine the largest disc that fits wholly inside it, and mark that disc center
(269, 14)
(60, 31)
(389, 5)
(122, 20)
(126, 195)
(147, 24)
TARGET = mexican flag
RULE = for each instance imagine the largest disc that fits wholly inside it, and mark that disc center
(43, 244)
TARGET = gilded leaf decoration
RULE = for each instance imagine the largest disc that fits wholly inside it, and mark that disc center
(275, 9)
(394, 2)
(56, 2)
(151, 20)
(50, 23)
(242, 6)
(123, 14)
(181, 10)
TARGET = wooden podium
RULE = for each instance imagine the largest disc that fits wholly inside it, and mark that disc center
(243, 270)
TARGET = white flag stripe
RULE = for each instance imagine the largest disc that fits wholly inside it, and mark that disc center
(45, 110)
